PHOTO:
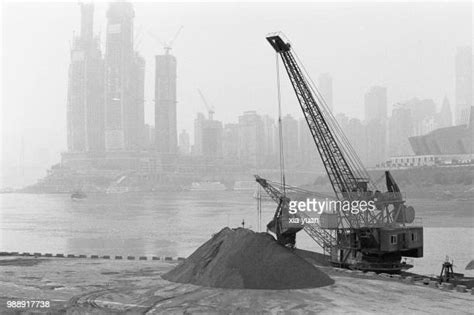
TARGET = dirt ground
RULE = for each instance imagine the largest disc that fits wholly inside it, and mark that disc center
(97, 286)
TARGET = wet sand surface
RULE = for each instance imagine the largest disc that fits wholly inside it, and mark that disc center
(97, 286)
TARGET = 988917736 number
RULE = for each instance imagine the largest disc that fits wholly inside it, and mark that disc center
(28, 304)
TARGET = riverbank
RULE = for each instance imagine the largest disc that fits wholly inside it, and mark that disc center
(175, 224)
(95, 286)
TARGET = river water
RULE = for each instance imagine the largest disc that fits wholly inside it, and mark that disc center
(176, 223)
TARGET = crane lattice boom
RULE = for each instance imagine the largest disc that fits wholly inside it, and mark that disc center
(340, 174)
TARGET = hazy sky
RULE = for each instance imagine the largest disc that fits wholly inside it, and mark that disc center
(407, 47)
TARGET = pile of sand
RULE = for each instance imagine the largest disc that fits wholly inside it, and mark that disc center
(242, 259)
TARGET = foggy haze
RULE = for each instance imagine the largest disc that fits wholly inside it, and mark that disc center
(407, 47)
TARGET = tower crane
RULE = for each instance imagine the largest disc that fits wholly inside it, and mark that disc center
(372, 240)
(210, 109)
(167, 46)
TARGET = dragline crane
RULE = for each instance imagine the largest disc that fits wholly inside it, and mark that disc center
(367, 240)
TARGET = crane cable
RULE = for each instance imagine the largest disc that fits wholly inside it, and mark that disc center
(280, 127)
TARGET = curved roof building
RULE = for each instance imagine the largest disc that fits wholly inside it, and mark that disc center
(450, 140)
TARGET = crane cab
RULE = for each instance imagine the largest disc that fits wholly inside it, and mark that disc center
(377, 249)
(406, 240)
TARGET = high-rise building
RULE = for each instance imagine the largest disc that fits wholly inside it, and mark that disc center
(230, 141)
(356, 133)
(135, 117)
(308, 154)
(212, 138)
(367, 139)
(207, 137)
(376, 104)
(123, 95)
(250, 139)
(428, 124)
(376, 142)
(325, 87)
(270, 150)
(463, 84)
(290, 140)
(85, 112)
(343, 121)
(422, 113)
(400, 129)
(184, 143)
(445, 117)
(149, 137)
(198, 123)
(165, 103)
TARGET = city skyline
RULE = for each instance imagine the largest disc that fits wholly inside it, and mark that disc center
(127, 133)
(251, 141)
(222, 114)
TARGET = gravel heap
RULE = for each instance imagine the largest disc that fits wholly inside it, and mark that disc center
(242, 259)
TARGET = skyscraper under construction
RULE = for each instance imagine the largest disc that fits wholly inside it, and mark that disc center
(165, 103)
(85, 111)
(124, 77)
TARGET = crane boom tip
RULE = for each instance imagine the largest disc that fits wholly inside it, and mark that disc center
(278, 43)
